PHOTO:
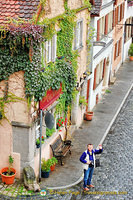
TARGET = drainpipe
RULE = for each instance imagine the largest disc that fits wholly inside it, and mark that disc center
(40, 145)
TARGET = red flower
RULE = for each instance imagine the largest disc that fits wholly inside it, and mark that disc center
(62, 122)
(59, 120)
(60, 130)
(59, 125)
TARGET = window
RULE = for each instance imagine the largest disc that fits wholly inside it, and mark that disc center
(78, 35)
(110, 21)
(128, 29)
(117, 48)
(119, 16)
(50, 48)
(102, 27)
(98, 74)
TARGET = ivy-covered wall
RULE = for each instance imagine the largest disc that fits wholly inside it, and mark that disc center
(20, 50)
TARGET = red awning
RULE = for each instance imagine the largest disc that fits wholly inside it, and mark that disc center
(51, 96)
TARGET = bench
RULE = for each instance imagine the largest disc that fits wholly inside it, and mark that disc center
(60, 148)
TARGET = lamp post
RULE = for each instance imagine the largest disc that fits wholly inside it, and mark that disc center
(40, 145)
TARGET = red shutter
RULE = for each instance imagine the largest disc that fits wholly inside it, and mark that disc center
(120, 45)
(115, 16)
(106, 24)
(121, 12)
(98, 30)
(117, 10)
(115, 51)
(119, 48)
(94, 84)
(104, 65)
(88, 91)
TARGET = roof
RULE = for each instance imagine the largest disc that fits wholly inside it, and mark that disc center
(17, 9)
(96, 8)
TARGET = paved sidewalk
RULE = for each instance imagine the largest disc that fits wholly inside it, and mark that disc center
(94, 132)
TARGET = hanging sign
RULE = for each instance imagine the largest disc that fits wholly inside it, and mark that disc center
(51, 96)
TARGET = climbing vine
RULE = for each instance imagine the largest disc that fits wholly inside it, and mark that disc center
(5, 101)
(20, 50)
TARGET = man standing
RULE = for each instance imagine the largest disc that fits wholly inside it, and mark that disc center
(88, 160)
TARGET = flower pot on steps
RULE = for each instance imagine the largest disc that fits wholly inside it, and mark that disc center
(88, 116)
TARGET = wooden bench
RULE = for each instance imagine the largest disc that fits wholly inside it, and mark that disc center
(60, 148)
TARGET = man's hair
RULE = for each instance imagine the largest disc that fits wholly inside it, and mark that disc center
(89, 144)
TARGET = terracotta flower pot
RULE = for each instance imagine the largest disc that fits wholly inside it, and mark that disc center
(8, 179)
(131, 58)
(88, 116)
(52, 168)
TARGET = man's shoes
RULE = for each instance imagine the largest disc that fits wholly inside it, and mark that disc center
(86, 189)
(92, 186)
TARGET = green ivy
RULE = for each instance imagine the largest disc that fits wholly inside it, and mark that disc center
(20, 50)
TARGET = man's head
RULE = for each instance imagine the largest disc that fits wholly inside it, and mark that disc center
(90, 147)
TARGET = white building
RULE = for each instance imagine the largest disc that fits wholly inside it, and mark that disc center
(102, 51)
(128, 20)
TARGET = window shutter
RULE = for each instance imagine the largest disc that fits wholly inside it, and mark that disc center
(49, 50)
(115, 16)
(75, 37)
(121, 12)
(125, 33)
(104, 65)
(81, 32)
(94, 84)
(117, 10)
(106, 24)
(120, 47)
(55, 47)
(113, 21)
(115, 51)
(46, 50)
(98, 30)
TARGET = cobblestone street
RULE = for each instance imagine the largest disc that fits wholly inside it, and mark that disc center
(113, 180)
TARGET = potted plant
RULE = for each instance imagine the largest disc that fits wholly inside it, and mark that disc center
(38, 143)
(53, 162)
(60, 122)
(49, 132)
(42, 138)
(88, 115)
(82, 101)
(45, 168)
(130, 52)
(8, 173)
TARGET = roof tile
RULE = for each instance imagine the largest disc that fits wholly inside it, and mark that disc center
(17, 8)
(96, 8)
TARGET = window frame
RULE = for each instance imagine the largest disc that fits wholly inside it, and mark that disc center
(78, 35)
(50, 49)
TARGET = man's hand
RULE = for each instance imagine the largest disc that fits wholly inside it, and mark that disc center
(100, 146)
(88, 162)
